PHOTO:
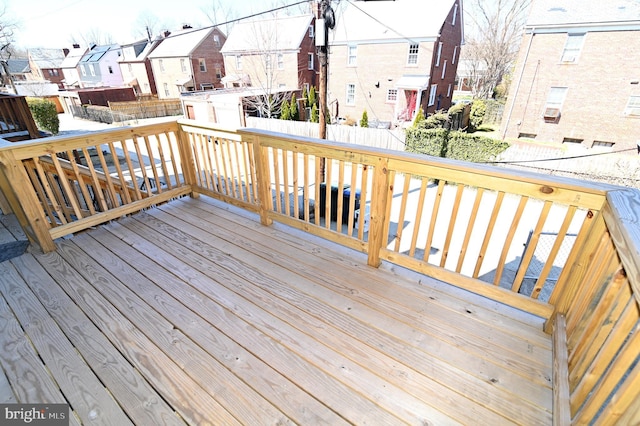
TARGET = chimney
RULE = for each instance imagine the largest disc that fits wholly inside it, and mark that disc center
(65, 51)
(76, 46)
(186, 27)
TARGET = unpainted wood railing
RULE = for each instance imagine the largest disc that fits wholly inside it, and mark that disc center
(479, 228)
(16, 121)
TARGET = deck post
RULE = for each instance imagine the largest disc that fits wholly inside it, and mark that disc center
(23, 201)
(264, 179)
(379, 197)
(186, 160)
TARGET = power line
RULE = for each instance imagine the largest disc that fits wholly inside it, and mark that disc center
(559, 158)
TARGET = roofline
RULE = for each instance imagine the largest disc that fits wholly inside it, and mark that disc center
(584, 27)
(422, 39)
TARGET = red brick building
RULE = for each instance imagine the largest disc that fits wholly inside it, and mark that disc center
(577, 79)
(393, 58)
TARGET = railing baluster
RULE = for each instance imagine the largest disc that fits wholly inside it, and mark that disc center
(488, 234)
(467, 236)
(508, 240)
(418, 217)
(452, 224)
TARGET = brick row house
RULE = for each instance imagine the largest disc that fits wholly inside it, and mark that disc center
(188, 60)
(576, 81)
(46, 64)
(393, 58)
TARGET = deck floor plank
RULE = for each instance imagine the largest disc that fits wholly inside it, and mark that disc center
(218, 319)
(131, 390)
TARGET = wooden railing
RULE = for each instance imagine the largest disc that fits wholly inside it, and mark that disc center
(565, 250)
(16, 121)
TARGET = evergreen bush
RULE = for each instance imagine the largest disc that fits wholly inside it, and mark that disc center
(293, 109)
(455, 145)
(364, 121)
(285, 113)
(45, 114)
(476, 117)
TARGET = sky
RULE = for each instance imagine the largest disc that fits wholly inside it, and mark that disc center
(53, 24)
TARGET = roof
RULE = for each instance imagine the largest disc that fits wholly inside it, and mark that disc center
(276, 34)
(583, 12)
(73, 57)
(180, 43)
(47, 58)
(98, 52)
(377, 21)
(18, 66)
(138, 51)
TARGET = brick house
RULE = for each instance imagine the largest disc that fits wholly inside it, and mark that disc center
(188, 60)
(393, 58)
(135, 66)
(46, 64)
(575, 81)
(272, 53)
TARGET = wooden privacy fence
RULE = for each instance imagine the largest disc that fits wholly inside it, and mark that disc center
(475, 227)
(147, 108)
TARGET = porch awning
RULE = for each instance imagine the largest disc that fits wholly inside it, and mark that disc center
(414, 82)
(188, 81)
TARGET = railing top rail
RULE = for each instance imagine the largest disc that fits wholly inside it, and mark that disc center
(587, 194)
(33, 148)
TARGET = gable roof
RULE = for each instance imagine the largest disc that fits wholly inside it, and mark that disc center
(47, 58)
(277, 34)
(98, 52)
(18, 66)
(73, 57)
(379, 21)
(138, 51)
(180, 43)
(550, 13)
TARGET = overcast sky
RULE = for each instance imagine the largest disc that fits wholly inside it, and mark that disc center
(53, 23)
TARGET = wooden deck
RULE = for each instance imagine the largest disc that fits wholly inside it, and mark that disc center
(193, 312)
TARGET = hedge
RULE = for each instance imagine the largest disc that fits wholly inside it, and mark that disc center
(454, 145)
(45, 114)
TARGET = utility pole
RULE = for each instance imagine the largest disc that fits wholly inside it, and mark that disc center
(324, 22)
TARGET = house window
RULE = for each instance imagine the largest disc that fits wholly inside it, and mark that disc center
(311, 31)
(310, 61)
(455, 53)
(183, 65)
(432, 94)
(455, 14)
(572, 48)
(439, 54)
(553, 106)
(218, 71)
(238, 62)
(572, 140)
(280, 59)
(130, 68)
(412, 59)
(83, 70)
(602, 144)
(449, 91)
(166, 89)
(352, 55)
(110, 68)
(202, 64)
(527, 135)
(267, 62)
(216, 40)
(633, 106)
(444, 69)
(161, 63)
(351, 94)
(92, 70)
(392, 95)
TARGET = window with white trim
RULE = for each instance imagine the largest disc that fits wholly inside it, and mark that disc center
(92, 70)
(449, 91)
(311, 31)
(166, 89)
(280, 59)
(392, 95)
(444, 69)
(202, 64)
(352, 55)
(310, 62)
(183, 65)
(83, 70)
(553, 106)
(455, 14)
(351, 94)
(238, 62)
(633, 106)
(604, 144)
(572, 48)
(412, 58)
(455, 53)
(432, 94)
(216, 40)
(161, 63)
(439, 54)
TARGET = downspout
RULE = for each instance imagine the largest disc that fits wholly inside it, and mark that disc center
(515, 94)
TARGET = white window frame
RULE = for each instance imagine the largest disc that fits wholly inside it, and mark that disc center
(130, 68)
(202, 64)
(83, 70)
(216, 40)
(161, 64)
(310, 61)
(633, 106)
(432, 94)
(352, 55)
(92, 70)
(350, 98)
(166, 89)
(311, 31)
(449, 91)
(280, 59)
(444, 69)
(183, 65)
(412, 56)
(238, 62)
(455, 53)
(572, 48)
(439, 55)
(555, 99)
(455, 14)
(392, 95)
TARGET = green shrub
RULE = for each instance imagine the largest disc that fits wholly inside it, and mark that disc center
(293, 109)
(364, 121)
(45, 114)
(476, 117)
(315, 114)
(285, 113)
(419, 118)
(454, 145)
(456, 109)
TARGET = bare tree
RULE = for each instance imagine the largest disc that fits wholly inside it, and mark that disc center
(492, 41)
(147, 25)
(93, 36)
(7, 49)
(222, 13)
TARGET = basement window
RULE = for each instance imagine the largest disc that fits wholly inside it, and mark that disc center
(603, 144)
(527, 135)
(572, 140)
